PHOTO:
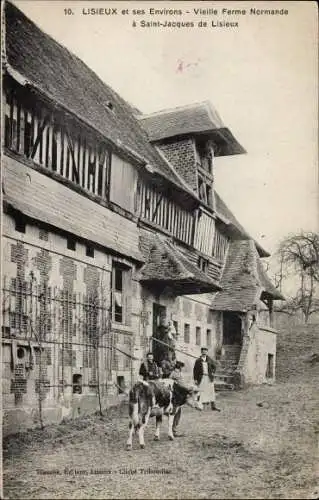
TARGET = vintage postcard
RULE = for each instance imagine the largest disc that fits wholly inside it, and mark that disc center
(159, 249)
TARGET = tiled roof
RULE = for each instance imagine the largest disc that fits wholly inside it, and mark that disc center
(191, 119)
(243, 279)
(266, 283)
(166, 265)
(223, 211)
(50, 68)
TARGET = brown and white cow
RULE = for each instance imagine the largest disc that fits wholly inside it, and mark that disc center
(168, 397)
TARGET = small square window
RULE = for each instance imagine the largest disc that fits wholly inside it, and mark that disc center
(89, 251)
(43, 234)
(71, 243)
(20, 224)
(203, 264)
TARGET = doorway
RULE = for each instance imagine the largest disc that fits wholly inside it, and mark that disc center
(232, 328)
(232, 339)
(159, 316)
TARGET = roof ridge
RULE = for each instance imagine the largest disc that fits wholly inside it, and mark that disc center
(61, 45)
(252, 249)
(172, 110)
(121, 124)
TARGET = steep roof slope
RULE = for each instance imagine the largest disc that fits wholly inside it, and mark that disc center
(51, 68)
(44, 199)
(165, 264)
(242, 279)
(225, 213)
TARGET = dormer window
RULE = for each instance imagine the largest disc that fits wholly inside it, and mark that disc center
(205, 155)
(205, 191)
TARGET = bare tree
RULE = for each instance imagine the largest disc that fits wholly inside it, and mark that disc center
(299, 257)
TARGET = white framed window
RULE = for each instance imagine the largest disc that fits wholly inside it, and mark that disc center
(121, 291)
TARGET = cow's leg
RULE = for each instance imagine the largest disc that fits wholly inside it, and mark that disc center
(158, 428)
(176, 420)
(130, 436)
(142, 428)
(170, 404)
(170, 427)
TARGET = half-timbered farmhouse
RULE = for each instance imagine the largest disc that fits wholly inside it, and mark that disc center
(112, 230)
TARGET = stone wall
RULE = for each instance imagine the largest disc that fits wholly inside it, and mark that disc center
(193, 311)
(258, 352)
(39, 260)
(49, 289)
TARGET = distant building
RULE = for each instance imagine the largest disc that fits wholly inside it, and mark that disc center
(112, 232)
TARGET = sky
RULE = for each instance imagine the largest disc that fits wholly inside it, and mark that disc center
(262, 78)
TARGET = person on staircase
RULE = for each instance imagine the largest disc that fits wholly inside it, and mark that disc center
(168, 364)
(203, 373)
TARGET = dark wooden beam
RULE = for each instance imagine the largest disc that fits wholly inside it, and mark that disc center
(75, 171)
(156, 207)
(44, 123)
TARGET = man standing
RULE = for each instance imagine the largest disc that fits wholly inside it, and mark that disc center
(203, 373)
(149, 369)
(177, 376)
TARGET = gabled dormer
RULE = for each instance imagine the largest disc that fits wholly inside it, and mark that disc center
(191, 137)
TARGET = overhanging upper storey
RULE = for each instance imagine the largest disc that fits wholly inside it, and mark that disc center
(195, 119)
(47, 86)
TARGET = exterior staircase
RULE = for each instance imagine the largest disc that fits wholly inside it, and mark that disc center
(224, 376)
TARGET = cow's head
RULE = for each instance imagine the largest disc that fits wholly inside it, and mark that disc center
(186, 395)
(193, 398)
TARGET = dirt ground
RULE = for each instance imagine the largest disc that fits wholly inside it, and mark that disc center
(264, 444)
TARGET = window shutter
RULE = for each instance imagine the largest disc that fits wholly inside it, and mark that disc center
(123, 183)
(127, 282)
